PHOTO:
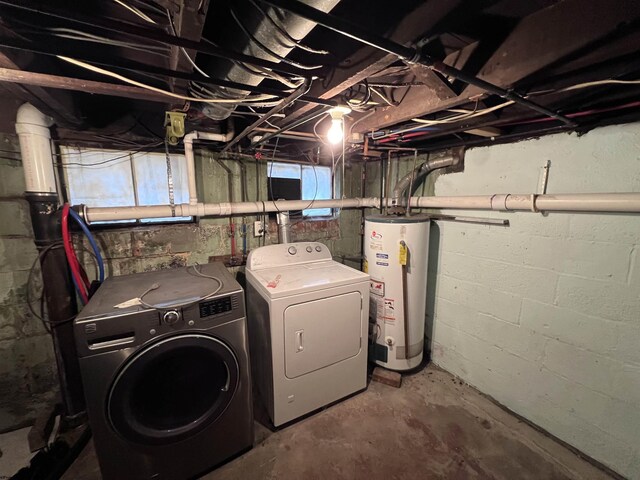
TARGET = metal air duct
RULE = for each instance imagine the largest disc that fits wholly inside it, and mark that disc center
(264, 32)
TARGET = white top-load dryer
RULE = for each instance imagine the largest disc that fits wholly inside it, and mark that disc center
(308, 323)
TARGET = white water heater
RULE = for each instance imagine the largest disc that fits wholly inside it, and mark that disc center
(396, 250)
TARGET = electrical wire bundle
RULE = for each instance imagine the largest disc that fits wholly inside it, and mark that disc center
(78, 274)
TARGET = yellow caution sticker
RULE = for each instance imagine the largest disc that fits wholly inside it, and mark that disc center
(403, 254)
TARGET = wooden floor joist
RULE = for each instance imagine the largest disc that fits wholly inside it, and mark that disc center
(23, 77)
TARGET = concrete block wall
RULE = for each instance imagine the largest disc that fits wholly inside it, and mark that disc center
(544, 315)
(27, 366)
(146, 248)
(27, 369)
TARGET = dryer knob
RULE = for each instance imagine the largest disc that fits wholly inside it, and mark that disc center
(292, 250)
(170, 317)
(318, 248)
(309, 249)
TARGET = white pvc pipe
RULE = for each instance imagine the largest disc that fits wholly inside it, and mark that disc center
(32, 127)
(584, 202)
(101, 214)
(576, 202)
(590, 202)
(190, 157)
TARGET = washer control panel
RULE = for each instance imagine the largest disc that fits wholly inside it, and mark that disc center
(215, 306)
(287, 254)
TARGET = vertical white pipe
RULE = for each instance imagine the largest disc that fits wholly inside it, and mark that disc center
(190, 157)
(32, 127)
(191, 166)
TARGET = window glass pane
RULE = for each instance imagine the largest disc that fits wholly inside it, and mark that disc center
(98, 178)
(112, 178)
(283, 170)
(316, 185)
(151, 180)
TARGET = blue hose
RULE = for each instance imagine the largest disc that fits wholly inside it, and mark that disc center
(92, 241)
(75, 284)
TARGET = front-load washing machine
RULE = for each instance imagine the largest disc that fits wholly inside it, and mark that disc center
(308, 322)
(167, 382)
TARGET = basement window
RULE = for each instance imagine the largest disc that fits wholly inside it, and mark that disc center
(116, 178)
(288, 181)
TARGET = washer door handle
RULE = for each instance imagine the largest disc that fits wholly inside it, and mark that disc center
(299, 341)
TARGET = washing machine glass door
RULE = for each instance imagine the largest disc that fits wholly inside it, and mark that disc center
(172, 389)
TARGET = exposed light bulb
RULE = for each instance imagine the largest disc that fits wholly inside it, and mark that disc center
(335, 135)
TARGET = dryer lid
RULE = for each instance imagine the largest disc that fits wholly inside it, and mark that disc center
(287, 280)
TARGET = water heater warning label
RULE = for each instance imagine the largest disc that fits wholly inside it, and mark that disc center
(376, 287)
(374, 245)
(389, 306)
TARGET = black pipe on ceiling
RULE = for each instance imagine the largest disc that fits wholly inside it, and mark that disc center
(407, 54)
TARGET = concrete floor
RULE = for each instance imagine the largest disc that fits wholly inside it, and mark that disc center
(432, 427)
(14, 452)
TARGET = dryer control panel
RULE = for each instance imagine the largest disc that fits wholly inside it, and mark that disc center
(287, 254)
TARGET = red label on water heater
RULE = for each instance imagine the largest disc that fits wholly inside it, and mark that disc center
(376, 287)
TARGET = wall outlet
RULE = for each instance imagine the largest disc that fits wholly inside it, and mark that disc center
(258, 229)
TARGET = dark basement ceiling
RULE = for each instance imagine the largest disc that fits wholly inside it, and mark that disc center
(536, 48)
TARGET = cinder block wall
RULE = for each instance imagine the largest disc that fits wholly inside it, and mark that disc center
(146, 248)
(27, 366)
(544, 315)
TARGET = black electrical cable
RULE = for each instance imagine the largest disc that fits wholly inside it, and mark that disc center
(42, 256)
(347, 28)
(270, 177)
(352, 93)
(198, 273)
(145, 149)
(266, 49)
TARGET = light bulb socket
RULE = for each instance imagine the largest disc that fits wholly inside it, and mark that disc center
(337, 113)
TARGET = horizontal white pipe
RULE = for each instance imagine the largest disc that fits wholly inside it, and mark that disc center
(573, 202)
(581, 202)
(594, 202)
(190, 157)
(102, 214)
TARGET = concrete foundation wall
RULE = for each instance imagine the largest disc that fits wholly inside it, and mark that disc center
(27, 367)
(544, 315)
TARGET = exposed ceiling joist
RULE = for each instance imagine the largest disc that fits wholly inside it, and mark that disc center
(51, 104)
(368, 61)
(433, 81)
(34, 79)
(539, 40)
